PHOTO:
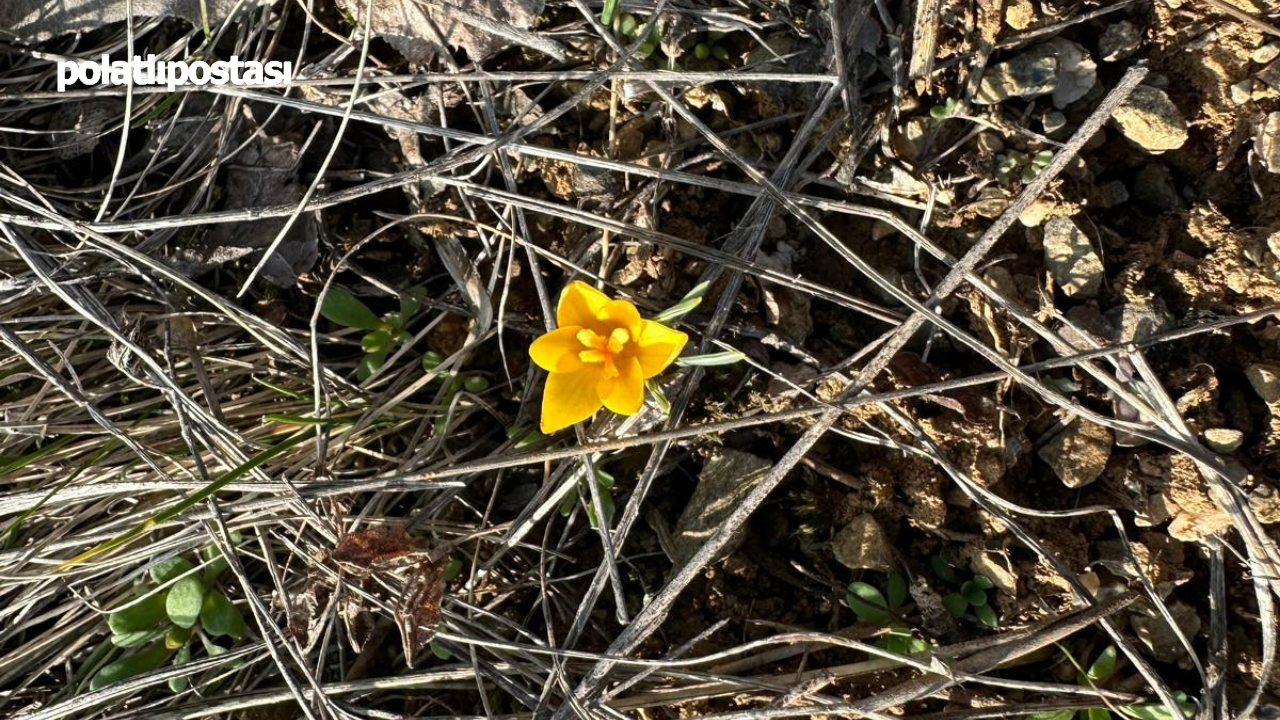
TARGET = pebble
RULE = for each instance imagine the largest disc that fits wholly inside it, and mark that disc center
(909, 140)
(1154, 186)
(1151, 120)
(1137, 321)
(1053, 121)
(1071, 259)
(1266, 53)
(1271, 75)
(1112, 193)
(863, 545)
(725, 480)
(1020, 14)
(1163, 641)
(1223, 440)
(1077, 72)
(1267, 142)
(1265, 379)
(1242, 92)
(1028, 74)
(989, 143)
(1078, 454)
(1119, 41)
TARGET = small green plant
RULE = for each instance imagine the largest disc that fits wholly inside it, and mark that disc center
(163, 624)
(949, 108)
(1017, 165)
(382, 334)
(969, 596)
(711, 47)
(1099, 673)
(605, 482)
(871, 605)
(631, 26)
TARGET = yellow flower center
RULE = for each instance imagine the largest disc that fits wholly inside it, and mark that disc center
(601, 349)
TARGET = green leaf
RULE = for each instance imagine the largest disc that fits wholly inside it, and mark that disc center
(1105, 666)
(440, 651)
(431, 360)
(475, 384)
(411, 303)
(1157, 711)
(369, 364)
(628, 25)
(987, 616)
(605, 479)
(867, 602)
(896, 590)
(943, 570)
(983, 582)
(345, 309)
(566, 504)
(606, 14)
(690, 301)
(452, 570)
(145, 614)
(378, 341)
(728, 357)
(974, 595)
(170, 568)
(1097, 714)
(183, 656)
(955, 604)
(134, 639)
(176, 637)
(129, 666)
(183, 604)
(220, 616)
(655, 390)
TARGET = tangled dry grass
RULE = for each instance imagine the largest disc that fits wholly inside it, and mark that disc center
(172, 388)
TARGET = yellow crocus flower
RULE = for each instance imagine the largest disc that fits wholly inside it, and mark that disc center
(599, 355)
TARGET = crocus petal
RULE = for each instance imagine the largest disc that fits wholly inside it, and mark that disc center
(579, 304)
(557, 351)
(624, 394)
(570, 398)
(620, 314)
(657, 347)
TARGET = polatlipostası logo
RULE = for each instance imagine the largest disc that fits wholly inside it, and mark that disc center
(172, 73)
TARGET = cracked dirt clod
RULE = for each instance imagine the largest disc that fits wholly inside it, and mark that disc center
(1223, 440)
(1119, 41)
(1151, 120)
(1075, 267)
(863, 545)
(1079, 453)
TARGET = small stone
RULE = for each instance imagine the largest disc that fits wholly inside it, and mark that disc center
(1266, 53)
(1271, 75)
(1053, 121)
(1154, 186)
(1265, 379)
(1151, 120)
(1077, 73)
(996, 569)
(1119, 41)
(1223, 440)
(989, 143)
(1139, 320)
(1070, 258)
(1029, 74)
(1078, 454)
(1267, 142)
(1163, 640)
(1111, 194)
(1020, 14)
(863, 545)
(725, 480)
(1242, 92)
(1273, 243)
(1265, 503)
(909, 140)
